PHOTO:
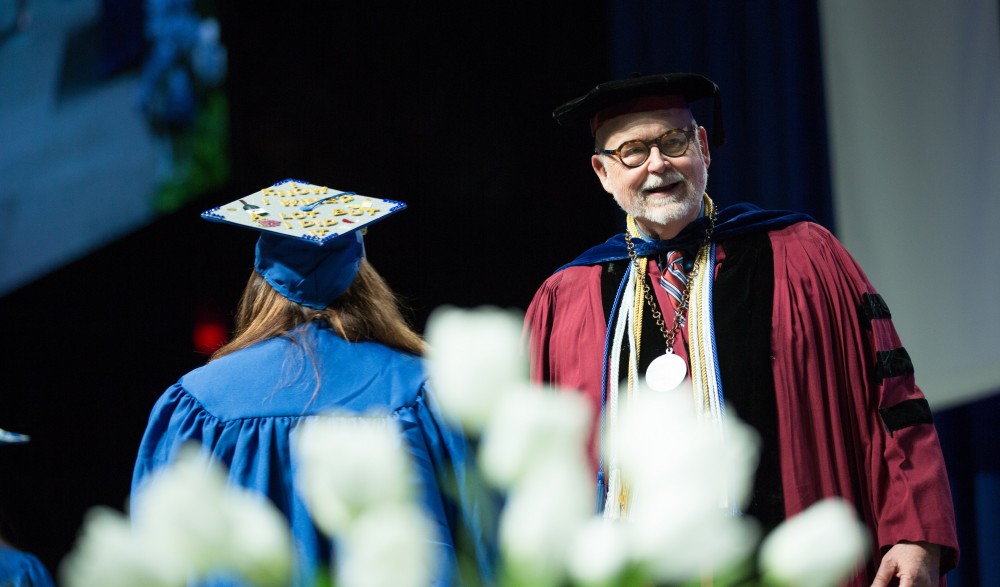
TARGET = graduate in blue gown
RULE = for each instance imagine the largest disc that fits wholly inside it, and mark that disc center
(19, 568)
(22, 569)
(317, 330)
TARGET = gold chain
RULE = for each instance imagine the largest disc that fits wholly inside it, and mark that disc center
(671, 335)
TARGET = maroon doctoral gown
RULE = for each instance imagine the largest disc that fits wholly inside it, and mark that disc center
(808, 355)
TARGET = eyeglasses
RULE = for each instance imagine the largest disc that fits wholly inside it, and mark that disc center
(672, 143)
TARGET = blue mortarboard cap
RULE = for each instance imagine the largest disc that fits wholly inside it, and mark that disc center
(304, 273)
(311, 243)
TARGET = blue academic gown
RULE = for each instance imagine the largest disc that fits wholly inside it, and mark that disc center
(22, 569)
(243, 408)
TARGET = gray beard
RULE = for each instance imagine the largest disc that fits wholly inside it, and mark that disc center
(670, 211)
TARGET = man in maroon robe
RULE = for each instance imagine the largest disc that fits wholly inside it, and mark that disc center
(805, 348)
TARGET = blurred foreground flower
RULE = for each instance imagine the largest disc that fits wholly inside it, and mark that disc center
(680, 481)
(599, 555)
(356, 478)
(683, 504)
(186, 523)
(390, 545)
(543, 514)
(530, 430)
(821, 547)
(473, 356)
(108, 554)
(674, 514)
(348, 464)
(718, 464)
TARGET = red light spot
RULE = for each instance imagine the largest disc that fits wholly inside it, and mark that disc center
(208, 337)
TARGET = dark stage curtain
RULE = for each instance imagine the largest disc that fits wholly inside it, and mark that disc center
(971, 447)
(766, 58)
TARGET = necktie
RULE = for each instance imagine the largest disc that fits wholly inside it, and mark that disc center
(672, 276)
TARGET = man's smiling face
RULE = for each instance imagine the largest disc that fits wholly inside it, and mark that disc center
(664, 194)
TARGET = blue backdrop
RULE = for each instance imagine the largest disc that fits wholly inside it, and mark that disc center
(765, 56)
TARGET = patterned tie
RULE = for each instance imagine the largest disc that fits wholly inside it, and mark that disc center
(672, 276)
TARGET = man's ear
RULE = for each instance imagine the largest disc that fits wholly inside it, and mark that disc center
(602, 172)
(703, 141)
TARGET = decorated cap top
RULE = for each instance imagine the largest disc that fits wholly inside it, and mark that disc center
(311, 242)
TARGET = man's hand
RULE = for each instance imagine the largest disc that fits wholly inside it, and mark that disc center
(915, 564)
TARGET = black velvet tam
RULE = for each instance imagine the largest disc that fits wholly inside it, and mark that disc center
(631, 94)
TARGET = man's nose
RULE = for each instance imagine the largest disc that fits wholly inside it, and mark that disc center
(657, 161)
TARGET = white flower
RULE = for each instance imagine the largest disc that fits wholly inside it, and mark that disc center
(663, 443)
(529, 426)
(109, 554)
(473, 355)
(598, 553)
(186, 524)
(677, 540)
(260, 544)
(685, 479)
(186, 513)
(179, 510)
(542, 515)
(389, 546)
(820, 547)
(347, 464)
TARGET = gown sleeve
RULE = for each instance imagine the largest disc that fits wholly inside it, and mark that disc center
(22, 569)
(256, 451)
(859, 425)
(565, 331)
(538, 321)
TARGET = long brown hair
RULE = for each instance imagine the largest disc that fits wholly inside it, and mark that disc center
(368, 311)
